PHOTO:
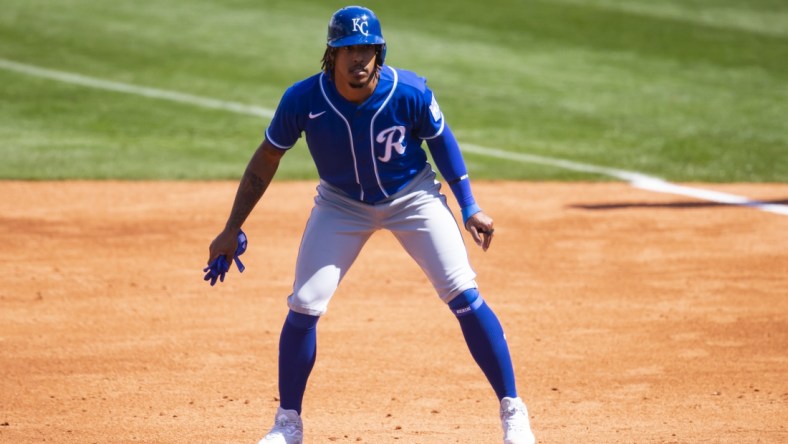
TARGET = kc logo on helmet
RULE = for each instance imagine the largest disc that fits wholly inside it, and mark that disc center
(361, 25)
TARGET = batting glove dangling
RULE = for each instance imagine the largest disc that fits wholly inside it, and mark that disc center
(219, 266)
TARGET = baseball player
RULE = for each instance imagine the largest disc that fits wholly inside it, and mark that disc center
(364, 123)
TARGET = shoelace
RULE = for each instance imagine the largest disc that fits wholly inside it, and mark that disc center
(510, 416)
(291, 428)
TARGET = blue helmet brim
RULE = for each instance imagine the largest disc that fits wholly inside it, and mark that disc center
(357, 39)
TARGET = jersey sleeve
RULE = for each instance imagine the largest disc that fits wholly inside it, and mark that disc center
(430, 123)
(448, 158)
(287, 125)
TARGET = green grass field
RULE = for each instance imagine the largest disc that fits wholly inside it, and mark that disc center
(687, 90)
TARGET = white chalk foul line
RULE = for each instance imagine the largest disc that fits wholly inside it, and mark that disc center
(635, 179)
(153, 93)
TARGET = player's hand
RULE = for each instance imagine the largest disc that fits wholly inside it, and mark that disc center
(218, 262)
(480, 225)
(225, 245)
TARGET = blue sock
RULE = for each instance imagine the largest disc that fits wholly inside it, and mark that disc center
(297, 353)
(486, 341)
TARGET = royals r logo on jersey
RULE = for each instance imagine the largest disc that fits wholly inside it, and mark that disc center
(393, 138)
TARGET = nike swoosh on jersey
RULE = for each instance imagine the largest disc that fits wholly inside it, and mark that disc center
(315, 116)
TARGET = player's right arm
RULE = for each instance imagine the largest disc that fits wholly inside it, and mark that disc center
(282, 133)
(259, 172)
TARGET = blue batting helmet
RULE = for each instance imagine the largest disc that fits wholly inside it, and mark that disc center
(355, 25)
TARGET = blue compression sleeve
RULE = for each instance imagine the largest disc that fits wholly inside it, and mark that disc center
(448, 158)
(297, 353)
(486, 341)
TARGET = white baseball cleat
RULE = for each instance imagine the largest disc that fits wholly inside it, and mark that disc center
(287, 429)
(515, 423)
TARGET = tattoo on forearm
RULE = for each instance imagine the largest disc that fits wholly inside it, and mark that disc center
(255, 184)
(250, 190)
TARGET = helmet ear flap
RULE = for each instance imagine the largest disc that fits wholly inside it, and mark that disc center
(380, 53)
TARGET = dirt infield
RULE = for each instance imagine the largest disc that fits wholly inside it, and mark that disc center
(633, 317)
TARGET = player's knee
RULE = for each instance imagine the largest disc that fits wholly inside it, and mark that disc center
(466, 302)
(302, 321)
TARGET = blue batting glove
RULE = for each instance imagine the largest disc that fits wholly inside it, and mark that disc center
(216, 270)
(242, 243)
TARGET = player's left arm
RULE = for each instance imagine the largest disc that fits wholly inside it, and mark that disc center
(448, 158)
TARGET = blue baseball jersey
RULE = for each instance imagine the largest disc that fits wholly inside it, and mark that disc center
(370, 151)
